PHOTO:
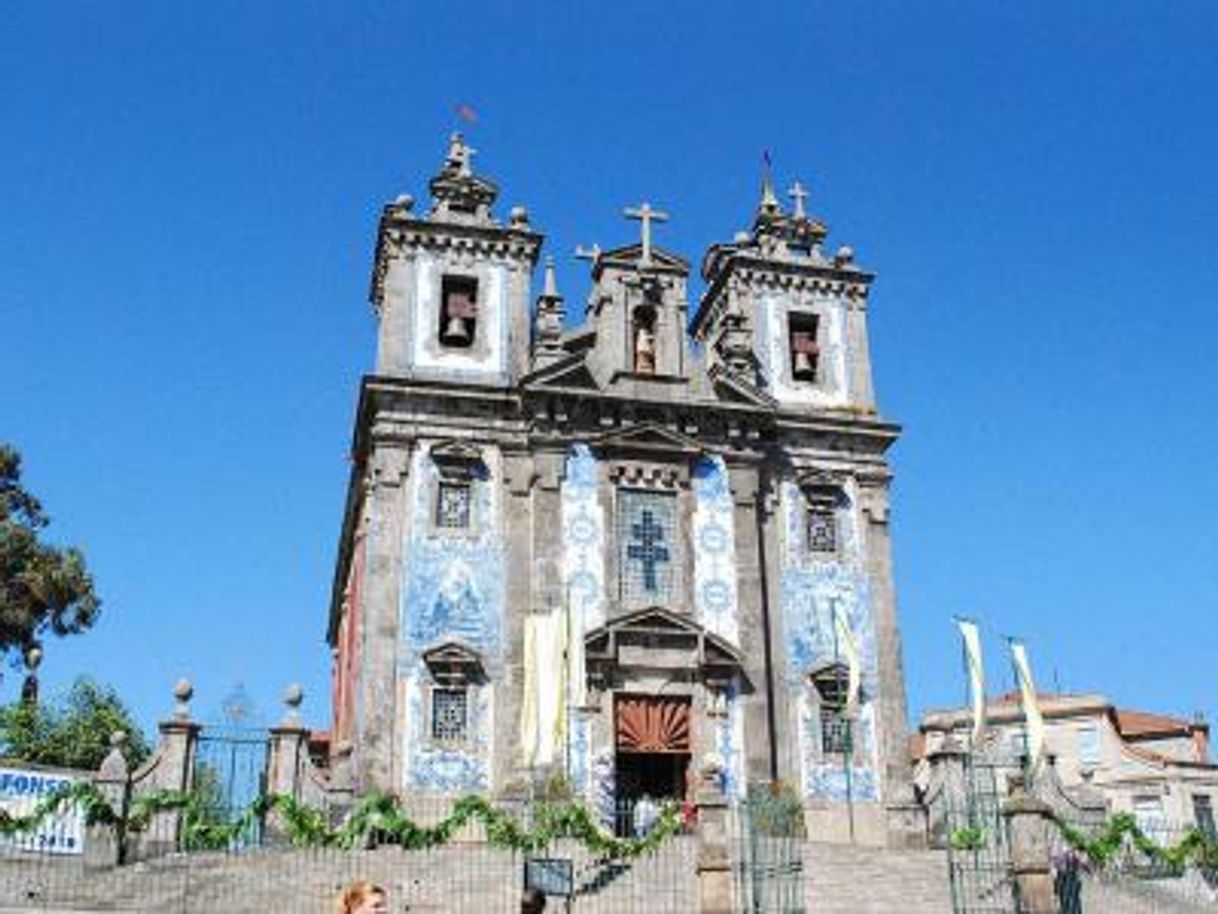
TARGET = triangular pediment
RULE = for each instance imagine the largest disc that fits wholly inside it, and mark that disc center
(571, 371)
(656, 625)
(458, 460)
(452, 652)
(729, 386)
(632, 255)
(647, 436)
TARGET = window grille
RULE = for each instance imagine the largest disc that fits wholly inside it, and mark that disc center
(834, 730)
(822, 529)
(453, 501)
(449, 715)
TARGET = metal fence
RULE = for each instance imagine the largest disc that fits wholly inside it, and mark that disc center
(979, 850)
(766, 841)
(1133, 882)
(467, 874)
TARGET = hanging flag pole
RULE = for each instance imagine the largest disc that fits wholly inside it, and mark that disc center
(974, 675)
(1034, 723)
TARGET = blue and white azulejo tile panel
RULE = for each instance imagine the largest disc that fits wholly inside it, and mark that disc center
(583, 538)
(714, 538)
(811, 587)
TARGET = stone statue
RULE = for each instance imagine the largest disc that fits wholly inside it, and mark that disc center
(644, 349)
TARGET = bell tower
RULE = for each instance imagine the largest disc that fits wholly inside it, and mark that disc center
(638, 309)
(451, 287)
(781, 315)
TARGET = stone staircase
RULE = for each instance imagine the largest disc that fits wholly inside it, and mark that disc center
(845, 879)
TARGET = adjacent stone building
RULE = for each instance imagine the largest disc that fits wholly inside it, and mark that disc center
(615, 552)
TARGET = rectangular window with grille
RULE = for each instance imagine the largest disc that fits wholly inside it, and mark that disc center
(647, 548)
(449, 715)
(453, 501)
(834, 730)
(822, 529)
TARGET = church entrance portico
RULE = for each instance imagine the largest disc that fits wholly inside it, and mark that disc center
(660, 677)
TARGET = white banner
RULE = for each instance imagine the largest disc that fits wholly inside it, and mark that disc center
(847, 645)
(21, 790)
(1031, 708)
(976, 675)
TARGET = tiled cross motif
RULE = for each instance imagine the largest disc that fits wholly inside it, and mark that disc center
(648, 548)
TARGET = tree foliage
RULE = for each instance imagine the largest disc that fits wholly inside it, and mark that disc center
(43, 588)
(73, 732)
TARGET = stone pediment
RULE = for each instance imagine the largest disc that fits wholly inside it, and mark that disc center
(729, 386)
(660, 638)
(632, 255)
(571, 371)
(458, 459)
(454, 663)
(649, 437)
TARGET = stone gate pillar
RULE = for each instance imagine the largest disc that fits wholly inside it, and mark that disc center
(714, 858)
(1028, 823)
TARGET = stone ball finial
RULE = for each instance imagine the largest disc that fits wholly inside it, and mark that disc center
(117, 739)
(183, 691)
(33, 657)
(404, 201)
(740, 237)
(844, 255)
(293, 695)
(519, 217)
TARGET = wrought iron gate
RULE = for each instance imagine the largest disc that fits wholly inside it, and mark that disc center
(230, 774)
(979, 849)
(767, 836)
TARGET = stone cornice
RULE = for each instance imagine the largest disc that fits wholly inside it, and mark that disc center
(752, 271)
(399, 233)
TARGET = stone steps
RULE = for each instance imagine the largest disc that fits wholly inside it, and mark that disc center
(845, 879)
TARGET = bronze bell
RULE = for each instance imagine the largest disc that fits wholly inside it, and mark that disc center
(803, 363)
(456, 333)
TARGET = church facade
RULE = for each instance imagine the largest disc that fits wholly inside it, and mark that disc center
(623, 552)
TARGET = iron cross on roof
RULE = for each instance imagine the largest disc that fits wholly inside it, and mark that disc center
(646, 215)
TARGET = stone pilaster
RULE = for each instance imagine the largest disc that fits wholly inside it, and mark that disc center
(892, 721)
(378, 724)
(525, 584)
(714, 860)
(759, 644)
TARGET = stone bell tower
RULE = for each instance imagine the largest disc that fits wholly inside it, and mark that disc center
(451, 287)
(783, 316)
(638, 309)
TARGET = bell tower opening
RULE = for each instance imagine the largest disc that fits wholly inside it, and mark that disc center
(458, 311)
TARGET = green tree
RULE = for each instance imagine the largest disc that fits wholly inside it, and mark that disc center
(72, 732)
(42, 587)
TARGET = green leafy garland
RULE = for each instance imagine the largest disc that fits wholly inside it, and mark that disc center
(1196, 847)
(375, 817)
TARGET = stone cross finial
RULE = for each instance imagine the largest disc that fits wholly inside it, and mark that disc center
(646, 215)
(459, 155)
(799, 194)
(590, 254)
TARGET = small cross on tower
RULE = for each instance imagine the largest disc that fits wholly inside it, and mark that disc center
(646, 215)
(799, 194)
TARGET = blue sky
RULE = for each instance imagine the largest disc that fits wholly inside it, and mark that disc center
(187, 214)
